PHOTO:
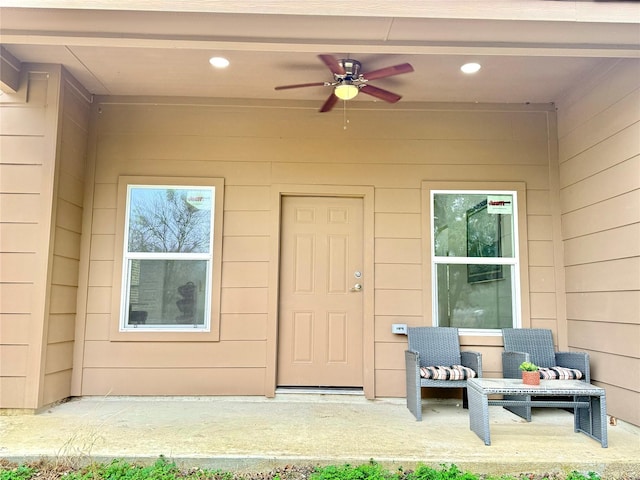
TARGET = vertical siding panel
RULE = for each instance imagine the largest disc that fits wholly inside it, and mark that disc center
(64, 264)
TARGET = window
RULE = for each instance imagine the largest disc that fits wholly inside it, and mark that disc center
(474, 254)
(170, 256)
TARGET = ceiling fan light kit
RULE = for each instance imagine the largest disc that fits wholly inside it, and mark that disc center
(346, 91)
(348, 81)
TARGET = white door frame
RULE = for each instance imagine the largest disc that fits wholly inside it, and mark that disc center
(367, 194)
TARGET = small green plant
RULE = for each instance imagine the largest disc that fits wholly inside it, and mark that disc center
(579, 476)
(19, 473)
(367, 471)
(528, 367)
(163, 469)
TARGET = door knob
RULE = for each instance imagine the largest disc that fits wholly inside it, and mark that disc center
(356, 288)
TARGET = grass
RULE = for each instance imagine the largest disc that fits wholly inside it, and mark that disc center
(163, 469)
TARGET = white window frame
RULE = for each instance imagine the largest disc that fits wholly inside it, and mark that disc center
(119, 295)
(510, 261)
(127, 257)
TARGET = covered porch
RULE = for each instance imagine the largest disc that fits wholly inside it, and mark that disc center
(258, 433)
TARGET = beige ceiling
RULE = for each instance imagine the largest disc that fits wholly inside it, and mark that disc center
(535, 54)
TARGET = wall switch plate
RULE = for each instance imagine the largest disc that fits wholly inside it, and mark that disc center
(399, 328)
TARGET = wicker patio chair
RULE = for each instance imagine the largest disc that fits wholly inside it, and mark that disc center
(536, 345)
(431, 347)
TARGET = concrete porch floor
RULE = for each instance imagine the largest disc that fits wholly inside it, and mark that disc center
(256, 433)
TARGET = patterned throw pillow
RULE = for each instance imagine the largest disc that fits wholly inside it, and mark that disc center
(454, 372)
(560, 373)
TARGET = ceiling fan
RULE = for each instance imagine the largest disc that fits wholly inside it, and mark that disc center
(348, 81)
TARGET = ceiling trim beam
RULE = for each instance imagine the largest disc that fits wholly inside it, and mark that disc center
(285, 45)
(569, 11)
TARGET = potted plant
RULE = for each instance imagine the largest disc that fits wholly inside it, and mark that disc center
(530, 373)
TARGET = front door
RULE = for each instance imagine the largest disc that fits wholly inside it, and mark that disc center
(321, 280)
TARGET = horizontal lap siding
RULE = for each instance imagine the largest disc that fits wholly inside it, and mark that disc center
(24, 146)
(599, 148)
(255, 148)
(66, 243)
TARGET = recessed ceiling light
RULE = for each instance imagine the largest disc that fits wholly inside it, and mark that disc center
(219, 62)
(470, 67)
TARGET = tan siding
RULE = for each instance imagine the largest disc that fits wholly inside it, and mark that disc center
(27, 150)
(61, 328)
(397, 225)
(102, 247)
(621, 178)
(20, 178)
(16, 298)
(67, 244)
(105, 195)
(604, 306)
(612, 275)
(13, 360)
(65, 262)
(600, 125)
(246, 326)
(59, 357)
(610, 152)
(538, 202)
(17, 208)
(622, 400)
(56, 386)
(610, 214)
(243, 223)
(541, 254)
(17, 237)
(245, 274)
(16, 267)
(250, 249)
(63, 299)
(173, 381)
(396, 200)
(393, 152)
(65, 271)
(14, 329)
(13, 392)
(621, 338)
(243, 300)
(175, 354)
(543, 305)
(246, 198)
(100, 273)
(398, 250)
(97, 326)
(399, 302)
(623, 242)
(599, 148)
(390, 383)
(398, 276)
(542, 279)
(99, 300)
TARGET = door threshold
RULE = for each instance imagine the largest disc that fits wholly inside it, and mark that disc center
(322, 390)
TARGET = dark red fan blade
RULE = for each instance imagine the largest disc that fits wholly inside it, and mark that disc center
(329, 104)
(333, 64)
(388, 71)
(300, 85)
(385, 95)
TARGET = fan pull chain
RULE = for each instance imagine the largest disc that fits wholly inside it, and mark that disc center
(345, 120)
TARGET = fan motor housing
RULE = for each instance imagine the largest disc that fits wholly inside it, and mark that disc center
(351, 68)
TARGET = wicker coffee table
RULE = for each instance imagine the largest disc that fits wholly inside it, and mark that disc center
(589, 404)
